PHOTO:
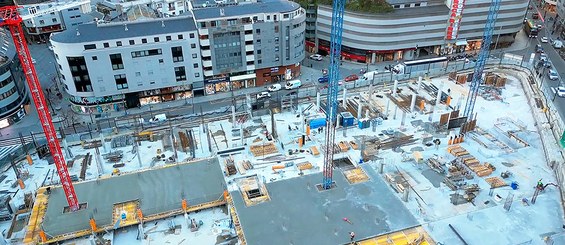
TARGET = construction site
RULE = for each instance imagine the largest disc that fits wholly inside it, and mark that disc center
(407, 169)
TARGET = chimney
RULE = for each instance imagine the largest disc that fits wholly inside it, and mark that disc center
(222, 12)
(78, 33)
(126, 27)
(162, 23)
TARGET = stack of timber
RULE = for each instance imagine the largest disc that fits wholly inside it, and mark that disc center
(343, 146)
(85, 162)
(263, 149)
(304, 166)
(457, 150)
(353, 145)
(356, 175)
(314, 150)
(91, 144)
(230, 166)
(495, 182)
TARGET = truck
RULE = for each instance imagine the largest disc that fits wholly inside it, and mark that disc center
(531, 29)
(557, 44)
(293, 84)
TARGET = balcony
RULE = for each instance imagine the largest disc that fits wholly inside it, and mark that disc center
(206, 53)
(249, 48)
(202, 31)
(207, 63)
(249, 37)
(208, 73)
(247, 27)
(251, 67)
(204, 42)
(249, 58)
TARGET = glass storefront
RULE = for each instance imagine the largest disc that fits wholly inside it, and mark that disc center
(13, 118)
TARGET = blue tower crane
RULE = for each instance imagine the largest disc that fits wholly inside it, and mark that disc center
(331, 112)
(482, 59)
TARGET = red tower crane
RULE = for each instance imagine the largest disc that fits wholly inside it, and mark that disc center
(10, 18)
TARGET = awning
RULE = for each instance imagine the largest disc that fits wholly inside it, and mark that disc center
(461, 43)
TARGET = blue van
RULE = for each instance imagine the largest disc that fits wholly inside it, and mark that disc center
(324, 79)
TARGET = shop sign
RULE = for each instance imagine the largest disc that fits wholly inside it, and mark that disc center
(274, 69)
(456, 14)
(217, 80)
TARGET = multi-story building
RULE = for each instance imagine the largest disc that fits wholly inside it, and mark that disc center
(112, 66)
(250, 43)
(560, 18)
(62, 16)
(166, 8)
(13, 91)
(419, 28)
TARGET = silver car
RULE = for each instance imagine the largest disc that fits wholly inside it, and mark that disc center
(553, 75)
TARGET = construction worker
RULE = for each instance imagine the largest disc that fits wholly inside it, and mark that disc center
(540, 184)
(351, 235)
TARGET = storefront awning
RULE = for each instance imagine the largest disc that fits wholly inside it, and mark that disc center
(461, 43)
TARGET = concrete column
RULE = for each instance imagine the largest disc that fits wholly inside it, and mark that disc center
(233, 116)
(403, 119)
(359, 108)
(138, 154)
(241, 133)
(395, 110)
(373, 58)
(405, 194)
(395, 87)
(413, 102)
(318, 101)
(387, 107)
(344, 97)
(102, 142)
(438, 100)
(419, 84)
(459, 101)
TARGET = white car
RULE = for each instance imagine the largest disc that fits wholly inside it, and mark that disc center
(316, 57)
(544, 40)
(560, 91)
(263, 95)
(33, 60)
(274, 87)
(552, 74)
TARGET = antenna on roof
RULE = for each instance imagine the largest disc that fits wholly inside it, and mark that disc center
(126, 27)
(162, 23)
(222, 13)
(78, 33)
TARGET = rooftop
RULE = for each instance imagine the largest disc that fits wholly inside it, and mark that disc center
(109, 31)
(246, 8)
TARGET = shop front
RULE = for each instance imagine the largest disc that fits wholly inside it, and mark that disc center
(217, 85)
(96, 105)
(277, 74)
(13, 117)
(310, 47)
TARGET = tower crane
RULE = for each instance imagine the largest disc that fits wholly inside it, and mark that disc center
(484, 53)
(331, 112)
(10, 17)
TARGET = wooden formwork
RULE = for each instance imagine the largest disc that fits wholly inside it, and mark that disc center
(356, 175)
(304, 166)
(263, 149)
(253, 191)
(495, 182)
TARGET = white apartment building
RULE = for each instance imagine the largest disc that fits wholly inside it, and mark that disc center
(112, 66)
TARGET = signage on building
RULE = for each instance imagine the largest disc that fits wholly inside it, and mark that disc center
(455, 16)
(217, 80)
(274, 69)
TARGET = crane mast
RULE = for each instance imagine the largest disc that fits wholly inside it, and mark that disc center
(484, 53)
(331, 112)
(10, 18)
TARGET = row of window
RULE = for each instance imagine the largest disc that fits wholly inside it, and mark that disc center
(144, 53)
(8, 93)
(180, 76)
(143, 40)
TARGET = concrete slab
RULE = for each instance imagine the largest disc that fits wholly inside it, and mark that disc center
(299, 214)
(158, 190)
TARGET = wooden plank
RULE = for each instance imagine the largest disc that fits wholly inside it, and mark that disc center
(314, 150)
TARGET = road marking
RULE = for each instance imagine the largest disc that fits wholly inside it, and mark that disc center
(7, 150)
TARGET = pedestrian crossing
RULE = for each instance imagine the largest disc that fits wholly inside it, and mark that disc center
(7, 150)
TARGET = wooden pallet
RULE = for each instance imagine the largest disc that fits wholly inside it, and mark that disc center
(314, 150)
(263, 149)
(304, 166)
(353, 145)
(495, 182)
(356, 175)
(343, 146)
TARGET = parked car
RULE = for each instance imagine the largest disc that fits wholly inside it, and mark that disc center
(560, 91)
(275, 87)
(316, 57)
(539, 49)
(293, 84)
(547, 64)
(263, 95)
(552, 73)
(351, 78)
(324, 79)
(543, 56)
(544, 40)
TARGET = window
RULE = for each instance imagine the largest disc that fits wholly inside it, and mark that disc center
(191, 35)
(121, 81)
(276, 39)
(131, 42)
(116, 60)
(277, 49)
(144, 40)
(144, 53)
(180, 73)
(138, 74)
(417, 5)
(177, 54)
(80, 74)
(258, 51)
(195, 65)
(193, 45)
(258, 40)
(106, 45)
(168, 38)
(160, 61)
(276, 29)
(197, 74)
(41, 22)
(94, 57)
(54, 20)
(119, 43)
(156, 39)
(180, 37)
(194, 56)
(258, 31)
(259, 61)
(89, 46)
